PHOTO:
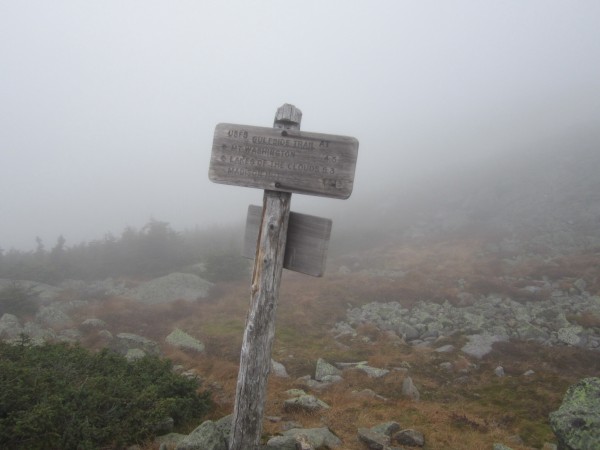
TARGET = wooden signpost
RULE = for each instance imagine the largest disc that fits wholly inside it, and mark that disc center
(280, 160)
(306, 243)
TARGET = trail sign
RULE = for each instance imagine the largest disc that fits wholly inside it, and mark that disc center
(306, 244)
(280, 160)
(285, 160)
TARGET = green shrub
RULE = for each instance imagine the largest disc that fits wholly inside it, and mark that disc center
(57, 396)
(17, 300)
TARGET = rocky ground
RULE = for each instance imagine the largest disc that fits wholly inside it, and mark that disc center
(414, 353)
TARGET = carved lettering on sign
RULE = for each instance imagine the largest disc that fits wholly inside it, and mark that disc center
(284, 160)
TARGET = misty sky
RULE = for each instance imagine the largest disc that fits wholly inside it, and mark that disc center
(107, 108)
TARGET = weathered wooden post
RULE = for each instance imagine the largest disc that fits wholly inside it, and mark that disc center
(255, 358)
(280, 160)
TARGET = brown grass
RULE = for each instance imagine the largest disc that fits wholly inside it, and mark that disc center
(467, 408)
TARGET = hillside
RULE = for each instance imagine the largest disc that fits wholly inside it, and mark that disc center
(483, 290)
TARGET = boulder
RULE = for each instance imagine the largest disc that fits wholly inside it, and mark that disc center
(281, 443)
(480, 345)
(576, 423)
(387, 428)
(448, 348)
(278, 369)
(372, 372)
(206, 436)
(373, 440)
(38, 334)
(410, 390)
(50, 316)
(134, 354)
(175, 286)
(93, 323)
(180, 339)
(124, 342)
(306, 403)
(224, 426)
(570, 335)
(324, 369)
(410, 437)
(170, 440)
(317, 437)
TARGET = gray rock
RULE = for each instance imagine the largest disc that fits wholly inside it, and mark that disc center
(303, 443)
(499, 371)
(446, 366)
(332, 379)
(224, 427)
(407, 331)
(549, 446)
(343, 329)
(576, 423)
(294, 392)
(175, 286)
(50, 316)
(306, 403)
(570, 335)
(93, 323)
(386, 428)
(324, 368)
(170, 440)
(281, 443)
(448, 348)
(480, 345)
(106, 335)
(290, 425)
(501, 447)
(124, 342)
(205, 437)
(134, 354)
(409, 390)
(373, 440)
(580, 285)
(10, 327)
(278, 369)
(317, 437)
(372, 372)
(38, 334)
(69, 335)
(368, 393)
(180, 339)
(409, 437)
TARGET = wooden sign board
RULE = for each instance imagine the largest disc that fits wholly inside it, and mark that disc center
(283, 160)
(306, 245)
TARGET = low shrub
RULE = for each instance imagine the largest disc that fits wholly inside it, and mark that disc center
(18, 300)
(57, 396)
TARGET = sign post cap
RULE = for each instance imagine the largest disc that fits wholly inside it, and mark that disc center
(288, 116)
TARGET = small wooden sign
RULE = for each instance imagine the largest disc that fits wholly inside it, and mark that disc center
(306, 245)
(285, 160)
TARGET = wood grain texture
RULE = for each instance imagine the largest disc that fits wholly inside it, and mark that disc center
(307, 241)
(255, 357)
(284, 159)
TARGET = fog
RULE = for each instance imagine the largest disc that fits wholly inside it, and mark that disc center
(107, 109)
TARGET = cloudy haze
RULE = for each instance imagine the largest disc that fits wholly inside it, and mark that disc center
(107, 109)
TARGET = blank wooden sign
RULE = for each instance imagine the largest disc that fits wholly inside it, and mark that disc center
(307, 241)
(283, 160)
